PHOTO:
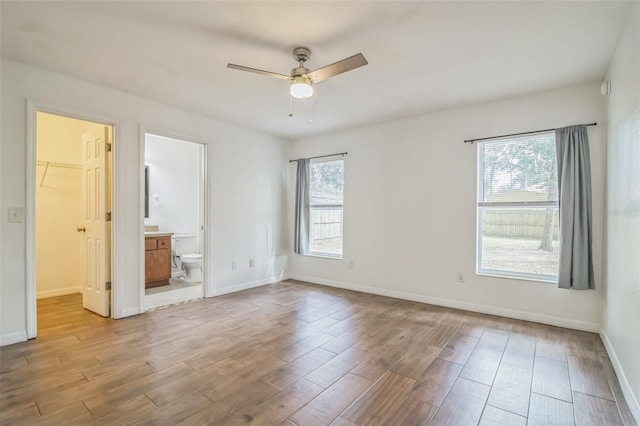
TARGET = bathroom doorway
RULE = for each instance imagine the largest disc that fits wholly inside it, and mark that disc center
(174, 220)
(72, 213)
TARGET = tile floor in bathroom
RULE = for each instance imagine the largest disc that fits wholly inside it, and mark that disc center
(174, 284)
(178, 291)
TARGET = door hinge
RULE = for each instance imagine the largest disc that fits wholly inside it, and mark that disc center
(107, 216)
(107, 285)
(107, 147)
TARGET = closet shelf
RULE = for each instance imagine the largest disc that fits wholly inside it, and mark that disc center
(48, 164)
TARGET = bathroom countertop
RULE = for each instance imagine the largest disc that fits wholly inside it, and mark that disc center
(158, 234)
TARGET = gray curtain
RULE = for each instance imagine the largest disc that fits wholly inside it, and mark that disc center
(574, 185)
(301, 232)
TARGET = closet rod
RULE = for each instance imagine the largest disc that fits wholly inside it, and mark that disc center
(48, 164)
(61, 165)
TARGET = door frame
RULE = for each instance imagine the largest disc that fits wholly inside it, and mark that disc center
(33, 107)
(206, 245)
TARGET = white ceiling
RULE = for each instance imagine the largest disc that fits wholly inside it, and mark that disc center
(423, 56)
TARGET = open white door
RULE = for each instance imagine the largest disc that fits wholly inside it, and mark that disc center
(95, 296)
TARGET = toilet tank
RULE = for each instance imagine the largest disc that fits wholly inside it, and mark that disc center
(184, 244)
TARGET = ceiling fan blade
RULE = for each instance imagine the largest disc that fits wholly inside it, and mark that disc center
(257, 71)
(348, 64)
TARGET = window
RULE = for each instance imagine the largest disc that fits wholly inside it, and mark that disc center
(325, 201)
(518, 207)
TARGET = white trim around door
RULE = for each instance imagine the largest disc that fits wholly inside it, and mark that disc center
(33, 107)
(206, 255)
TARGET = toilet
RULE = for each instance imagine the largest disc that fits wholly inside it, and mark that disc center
(192, 266)
(190, 263)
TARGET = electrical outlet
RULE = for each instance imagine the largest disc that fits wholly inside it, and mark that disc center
(460, 277)
(351, 265)
(252, 263)
(234, 265)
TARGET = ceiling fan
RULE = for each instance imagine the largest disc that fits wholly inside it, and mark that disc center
(302, 78)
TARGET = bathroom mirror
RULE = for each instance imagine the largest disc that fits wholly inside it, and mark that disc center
(146, 191)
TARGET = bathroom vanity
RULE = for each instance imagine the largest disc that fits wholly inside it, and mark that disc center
(157, 266)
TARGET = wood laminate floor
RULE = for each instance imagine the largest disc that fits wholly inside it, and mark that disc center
(294, 353)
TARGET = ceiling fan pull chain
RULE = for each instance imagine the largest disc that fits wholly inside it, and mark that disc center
(290, 106)
(310, 115)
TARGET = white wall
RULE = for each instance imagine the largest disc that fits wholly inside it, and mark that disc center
(410, 208)
(246, 180)
(58, 205)
(621, 325)
(174, 187)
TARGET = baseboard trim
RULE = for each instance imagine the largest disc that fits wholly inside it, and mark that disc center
(245, 286)
(629, 397)
(11, 338)
(58, 292)
(449, 303)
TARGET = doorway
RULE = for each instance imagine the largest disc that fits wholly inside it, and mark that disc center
(72, 212)
(174, 219)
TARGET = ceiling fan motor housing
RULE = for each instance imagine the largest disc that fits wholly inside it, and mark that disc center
(301, 54)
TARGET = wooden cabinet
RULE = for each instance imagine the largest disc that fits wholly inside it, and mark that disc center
(157, 266)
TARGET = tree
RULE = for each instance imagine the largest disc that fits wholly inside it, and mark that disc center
(327, 181)
(546, 243)
(542, 161)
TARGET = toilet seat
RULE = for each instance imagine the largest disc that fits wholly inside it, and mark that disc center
(186, 258)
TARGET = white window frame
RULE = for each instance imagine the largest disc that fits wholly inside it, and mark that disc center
(524, 204)
(326, 206)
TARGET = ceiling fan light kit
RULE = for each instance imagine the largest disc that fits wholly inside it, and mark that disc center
(302, 78)
(301, 87)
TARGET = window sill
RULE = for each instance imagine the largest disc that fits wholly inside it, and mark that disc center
(324, 255)
(515, 277)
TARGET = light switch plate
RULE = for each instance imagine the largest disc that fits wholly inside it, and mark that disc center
(16, 214)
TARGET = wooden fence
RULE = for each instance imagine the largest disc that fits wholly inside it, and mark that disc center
(326, 223)
(508, 223)
(516, 223)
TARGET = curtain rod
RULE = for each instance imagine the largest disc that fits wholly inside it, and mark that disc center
(471, 141)
(319, 156)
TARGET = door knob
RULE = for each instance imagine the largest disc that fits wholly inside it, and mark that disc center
(83, 229)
